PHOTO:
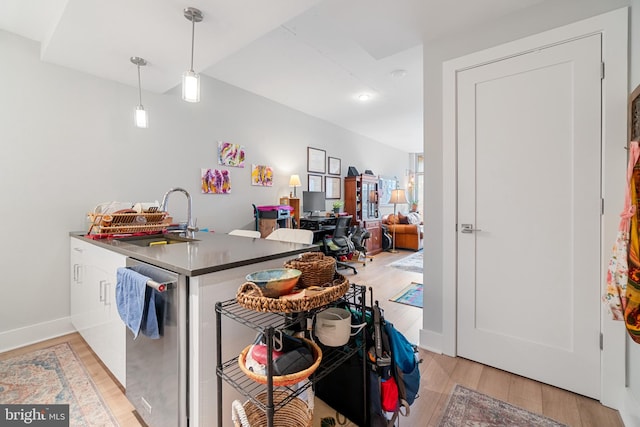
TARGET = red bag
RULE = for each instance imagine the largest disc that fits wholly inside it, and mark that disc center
(389, 395)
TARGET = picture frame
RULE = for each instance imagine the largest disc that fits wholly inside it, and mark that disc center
(332, 186)
(316, 160)
(314, 182)
(334, 166)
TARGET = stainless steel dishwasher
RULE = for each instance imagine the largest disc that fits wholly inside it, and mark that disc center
(157, 368)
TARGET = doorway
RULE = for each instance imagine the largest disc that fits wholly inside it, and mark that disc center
(478, 310)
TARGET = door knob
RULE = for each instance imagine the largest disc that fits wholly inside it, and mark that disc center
(468, 228)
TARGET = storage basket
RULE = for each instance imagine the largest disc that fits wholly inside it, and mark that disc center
(250, 296)
(317, 269)
(296, 413)
(282, 380)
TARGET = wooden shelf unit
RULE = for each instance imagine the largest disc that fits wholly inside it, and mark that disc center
(361, 200)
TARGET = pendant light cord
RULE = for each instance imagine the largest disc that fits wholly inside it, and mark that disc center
(193, 34)
(139, 86)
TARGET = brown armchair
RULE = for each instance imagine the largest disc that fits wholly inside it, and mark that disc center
(407, 235)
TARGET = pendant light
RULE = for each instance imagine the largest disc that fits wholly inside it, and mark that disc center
(142, 120)
(190, 79)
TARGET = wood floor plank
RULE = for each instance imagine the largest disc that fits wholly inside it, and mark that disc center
(593, 414)
(494, 382)
(439, 373)
(561, 405)
(525, 393)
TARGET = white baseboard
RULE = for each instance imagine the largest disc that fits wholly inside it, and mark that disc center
(630, 410)
(431, 341)
(32, 334)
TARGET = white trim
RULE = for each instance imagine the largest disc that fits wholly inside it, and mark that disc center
(630, 410)
(614, 29)
(431, 341)
(32, 334)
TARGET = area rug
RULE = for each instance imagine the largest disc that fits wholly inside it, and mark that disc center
(411, 263)
(411, 295)
(468, 408)
(54, 375)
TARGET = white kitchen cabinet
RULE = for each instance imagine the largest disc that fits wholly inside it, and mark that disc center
(93, 303)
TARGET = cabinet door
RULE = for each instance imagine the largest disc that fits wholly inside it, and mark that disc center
(93, 309)
(80, 309)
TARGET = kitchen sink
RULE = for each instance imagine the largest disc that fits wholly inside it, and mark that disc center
(157, 239)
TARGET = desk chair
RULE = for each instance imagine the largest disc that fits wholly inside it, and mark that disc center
(245, 233)
(359, 237)
(295, 235)
(339, 243)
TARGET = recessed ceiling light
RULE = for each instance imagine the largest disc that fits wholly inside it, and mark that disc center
(364, 97)
(398, 74)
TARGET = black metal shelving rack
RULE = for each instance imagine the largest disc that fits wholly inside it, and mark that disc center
(270, 324)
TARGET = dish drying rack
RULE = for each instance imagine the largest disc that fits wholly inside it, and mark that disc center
(110, 224)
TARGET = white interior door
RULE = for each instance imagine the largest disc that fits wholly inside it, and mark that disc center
(529, 176)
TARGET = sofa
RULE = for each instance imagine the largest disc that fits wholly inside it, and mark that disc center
(408, 230)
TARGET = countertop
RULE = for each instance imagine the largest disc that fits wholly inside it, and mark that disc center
(211, 252)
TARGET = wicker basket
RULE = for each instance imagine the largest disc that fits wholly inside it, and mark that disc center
(317, 269)
(296, 413)
(250, 297)
(282, 380)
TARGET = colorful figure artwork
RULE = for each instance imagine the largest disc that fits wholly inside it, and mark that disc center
(261, 175)
(230, 154)
(215, 181)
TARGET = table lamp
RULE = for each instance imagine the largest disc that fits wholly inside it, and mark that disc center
(397, 196)
(294, 182)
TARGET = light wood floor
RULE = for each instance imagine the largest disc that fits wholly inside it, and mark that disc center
(439, 373)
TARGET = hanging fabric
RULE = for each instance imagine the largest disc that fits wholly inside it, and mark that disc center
(617, 273)
(631, 300)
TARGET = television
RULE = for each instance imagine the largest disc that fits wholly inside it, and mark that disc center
(313, 202)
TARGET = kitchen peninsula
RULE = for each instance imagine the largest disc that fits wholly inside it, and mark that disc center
(209, 268)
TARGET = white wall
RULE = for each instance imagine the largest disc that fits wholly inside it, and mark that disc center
(69, 143)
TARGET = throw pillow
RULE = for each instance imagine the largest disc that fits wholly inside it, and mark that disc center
(392, 219)
(402, 219)
(413, 217)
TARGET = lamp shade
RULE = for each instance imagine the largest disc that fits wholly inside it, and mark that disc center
(142, 119)
(398, 197)
(294, 181)
(190, 86)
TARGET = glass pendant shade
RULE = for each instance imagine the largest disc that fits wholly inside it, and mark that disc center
(142, 119)
(191, 86)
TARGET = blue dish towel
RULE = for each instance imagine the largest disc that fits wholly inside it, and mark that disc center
(136, 303)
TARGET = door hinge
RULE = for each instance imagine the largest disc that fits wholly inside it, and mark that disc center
(601, 70)
(601, 206)
(601, 341)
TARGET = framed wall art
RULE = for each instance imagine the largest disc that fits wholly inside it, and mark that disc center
(230, 154)
(215, 181)
(315, 182)
(332, 187)
(262, 175)
(335, 166)
(316, 160)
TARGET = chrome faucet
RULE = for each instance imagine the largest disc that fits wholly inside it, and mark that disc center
(190, 228)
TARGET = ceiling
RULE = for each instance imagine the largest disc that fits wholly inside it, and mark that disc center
(316, 56)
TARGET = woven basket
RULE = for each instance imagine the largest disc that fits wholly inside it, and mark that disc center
(250, 296)
(317, 269)
(282, 380)
(296, 413)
